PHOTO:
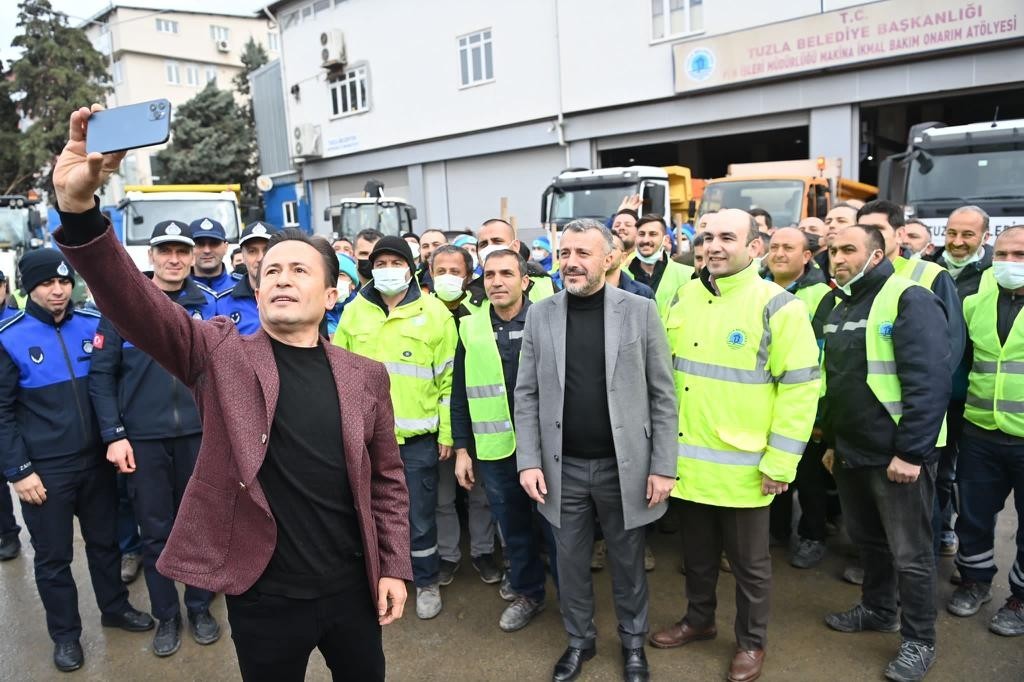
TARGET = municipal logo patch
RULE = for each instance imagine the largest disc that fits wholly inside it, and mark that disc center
(35, 354)
(62, 269)
(885, 330)
(173, 229)
(736, 338)
(196, 315)
(206, 224)
(407, 354)
(87, 346)
(259, 229)
(236, 317)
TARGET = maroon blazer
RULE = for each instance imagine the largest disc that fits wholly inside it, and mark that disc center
(225, 534)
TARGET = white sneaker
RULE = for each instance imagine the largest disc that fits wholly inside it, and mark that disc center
(428, 601)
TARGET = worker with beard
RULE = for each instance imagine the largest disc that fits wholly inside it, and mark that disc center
(653, 266)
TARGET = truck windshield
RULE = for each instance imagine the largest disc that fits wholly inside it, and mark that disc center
(782, 198)
(957, 174)
(368, 217)
(142, 216)
(13, 227)
(587, 202)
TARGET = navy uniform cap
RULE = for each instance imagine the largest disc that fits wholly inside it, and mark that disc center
(207, 228)
(171, 231)
(257, 230)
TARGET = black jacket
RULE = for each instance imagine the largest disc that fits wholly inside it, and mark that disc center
(133, 396)
(970, 278)
(477, 296)
(854, 421)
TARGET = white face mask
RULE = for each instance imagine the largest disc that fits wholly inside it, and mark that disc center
(344, 288)
(415, 250)
(448, 287)
(488, 250)
(848, 287)
(391, 281)
(652, 259)
(1008, 274)
(539, 254)
(957, 263)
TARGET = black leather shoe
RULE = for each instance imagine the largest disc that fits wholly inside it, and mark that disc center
(68, 656)
(131, 619)
(203, 627)
(634, 665)
(10, 547)
(167, 639)
(570, 665)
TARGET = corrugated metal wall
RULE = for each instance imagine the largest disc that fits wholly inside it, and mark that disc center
(272, 134)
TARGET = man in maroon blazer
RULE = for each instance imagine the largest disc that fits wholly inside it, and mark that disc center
(297, 509)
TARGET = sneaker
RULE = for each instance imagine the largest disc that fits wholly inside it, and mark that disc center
(167, 639)
(949, 544)
(808, 554)
(968, 598)
(131, 564)
(10, 547)
(448, 570)
(854, 575)
(648, 559)
(204, 627)
(597, 558)
(487, 568)
(1009, 619)
(519, 613)
(505, 589)
(428, 601)
(859, 619)
(911, 663)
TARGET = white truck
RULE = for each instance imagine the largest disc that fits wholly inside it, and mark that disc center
(949, 166)
(20, 231)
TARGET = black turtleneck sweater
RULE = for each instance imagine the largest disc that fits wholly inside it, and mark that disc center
(586, 425)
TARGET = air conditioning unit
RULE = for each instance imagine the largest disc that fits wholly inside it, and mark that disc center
(222, 46)
(306, 142)
(332, 50)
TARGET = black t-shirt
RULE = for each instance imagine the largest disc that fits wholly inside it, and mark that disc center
(305, 479)
(586, 424)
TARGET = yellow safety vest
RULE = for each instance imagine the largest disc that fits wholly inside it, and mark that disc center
(746, 374)
(995, 392)
(416, 343)
(675, 276)
(541, 289)
(485, 389)
(918, 270)
(812, 295)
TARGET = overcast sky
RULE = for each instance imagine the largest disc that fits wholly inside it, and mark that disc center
(80, 10)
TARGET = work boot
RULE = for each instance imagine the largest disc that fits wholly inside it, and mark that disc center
(68, 656)
(649, 562)
(1009, 619)
(204, 627)
(598, 557)
(167, 639)
(505, 590)
(447, 573)
(968, 598)
(487, 568)
(911, 663)
(859, 619)
(428, 601)
(519, 613)
(808, 554)
(131, 564)
(10, 547)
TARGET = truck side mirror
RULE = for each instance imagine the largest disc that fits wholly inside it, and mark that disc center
(327, 214)
(137, 219)
(412, 213)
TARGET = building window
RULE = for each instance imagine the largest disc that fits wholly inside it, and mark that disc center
(290, 211)
(671, 18)
(307, 12)
(166, 26)
(192, 74)
(219, 32)
(349, 93)
(321, 6)
(173, 73)
(117, 71)
(290, 19)
(211, 74)
(476, 61)
(273, 42)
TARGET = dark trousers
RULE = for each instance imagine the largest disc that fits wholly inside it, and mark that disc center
(163, 468)
(891, 524)
(988, 472)
(743, 534)
(812, 487)
(518, 519)
(8, 526)
(275, 635)
(91, 495)
(589, 486)
(946, 497)
(419, 455)
(128, 539)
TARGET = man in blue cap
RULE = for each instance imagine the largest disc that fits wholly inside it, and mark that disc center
(239, 302)
(49, 450)
(348, 288)
(211, 248)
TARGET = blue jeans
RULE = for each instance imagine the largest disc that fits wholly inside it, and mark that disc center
(516, 514)
(128, 539)
(419, 456)
(987, 472)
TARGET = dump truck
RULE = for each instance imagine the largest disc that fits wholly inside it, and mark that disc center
(945, 167)
(789, 190)
(372, 210)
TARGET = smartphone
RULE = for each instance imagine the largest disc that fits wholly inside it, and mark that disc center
(129, 127)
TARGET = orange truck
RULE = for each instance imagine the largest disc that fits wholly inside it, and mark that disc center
(789, 190)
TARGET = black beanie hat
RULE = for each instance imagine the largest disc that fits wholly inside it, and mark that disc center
(395, 245)
(42, 264)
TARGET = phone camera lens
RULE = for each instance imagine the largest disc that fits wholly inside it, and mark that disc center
(152, 107)
(162, 106)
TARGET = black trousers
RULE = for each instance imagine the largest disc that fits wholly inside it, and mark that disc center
(812, 487)
(163, 468)
(8, 525)
(743, 534)
(275, 635)
(91, 495)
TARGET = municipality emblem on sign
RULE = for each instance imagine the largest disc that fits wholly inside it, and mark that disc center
(736, 338)
(62, 269)
(700, 64)
(173, 229)
(206, 224)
